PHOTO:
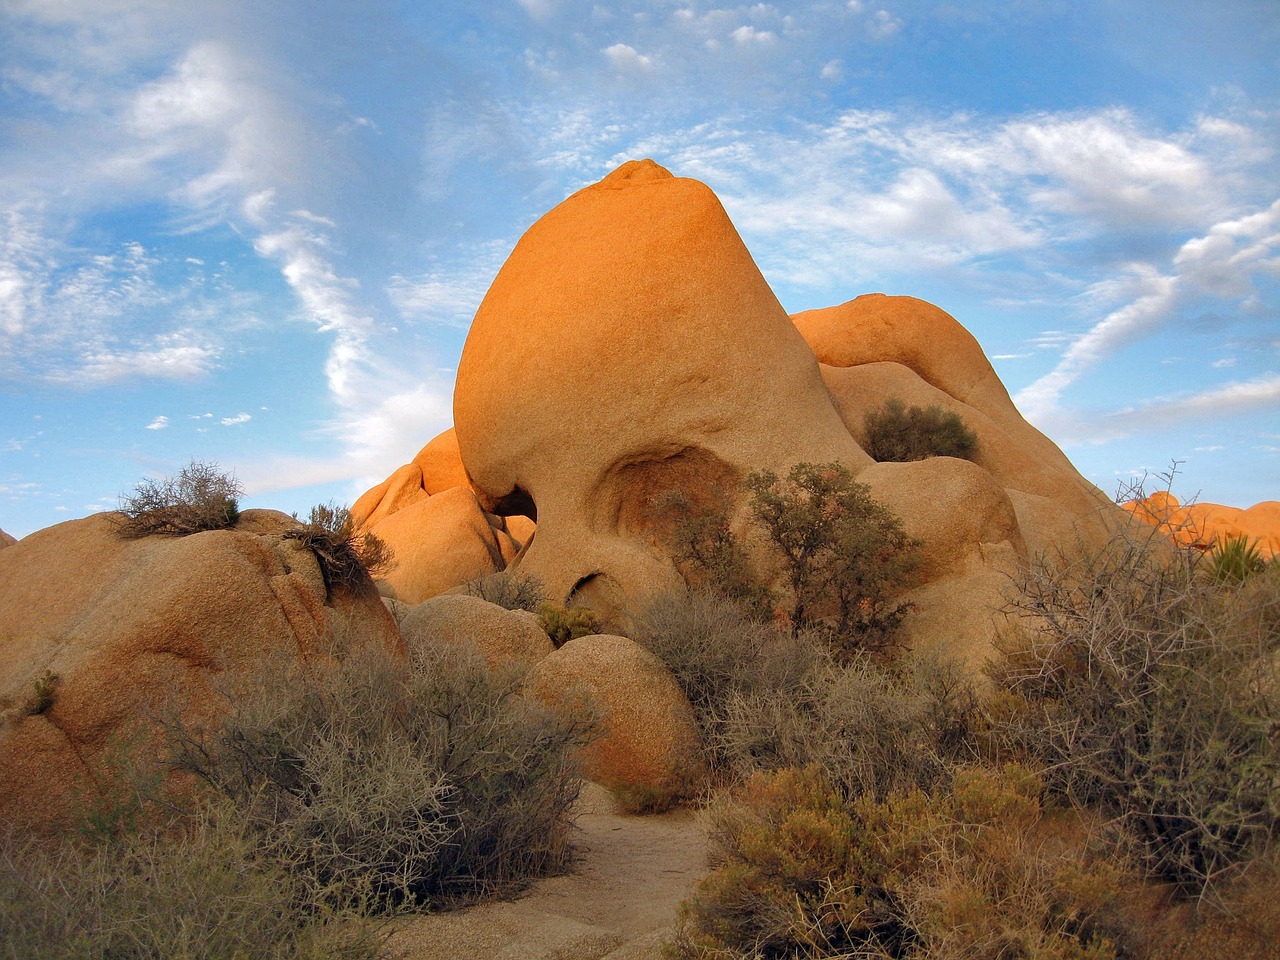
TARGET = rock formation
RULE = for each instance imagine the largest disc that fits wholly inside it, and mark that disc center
(649, 750)
(6, 540)
(1202, 525)
(503, 637)
(96, 630)
(630, 348)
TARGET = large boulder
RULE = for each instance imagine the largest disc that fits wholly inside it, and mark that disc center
(97, 631)
(503, 637)
(629, 347)
(649, 750)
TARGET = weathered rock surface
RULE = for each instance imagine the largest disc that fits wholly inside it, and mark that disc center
(503, 637)
(96, 629)
(650, 743)
(7, 540)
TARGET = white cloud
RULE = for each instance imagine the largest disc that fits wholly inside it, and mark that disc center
(1154, 296)
(159, 423)
(882, 25)
(625, 57)
(747, 35)
(832, 70)
(238, 419)
(1221, 262)
(183, 355)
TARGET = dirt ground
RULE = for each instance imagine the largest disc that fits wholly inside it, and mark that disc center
(618, 903)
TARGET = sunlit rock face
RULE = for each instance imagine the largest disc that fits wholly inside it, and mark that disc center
(630, 348)
(1206, 525)
(100, 634)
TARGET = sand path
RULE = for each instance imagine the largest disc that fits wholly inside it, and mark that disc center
(618, 903)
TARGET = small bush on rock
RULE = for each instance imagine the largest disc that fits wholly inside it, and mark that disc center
(201, 497)
(898, 434)
(566, 623)
(348, 562)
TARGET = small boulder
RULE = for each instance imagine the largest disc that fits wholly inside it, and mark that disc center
(650, 751)
(503, 637)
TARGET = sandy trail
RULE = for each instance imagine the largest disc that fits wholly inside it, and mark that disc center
(618, 903)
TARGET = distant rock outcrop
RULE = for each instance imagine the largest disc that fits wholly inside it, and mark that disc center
(1203, 525)
(630, 348)
(96, 630)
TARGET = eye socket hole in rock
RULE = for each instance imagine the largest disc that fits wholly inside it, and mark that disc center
(517, 503)
(630, 498)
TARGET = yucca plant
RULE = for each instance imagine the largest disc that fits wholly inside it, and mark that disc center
(1235, 559)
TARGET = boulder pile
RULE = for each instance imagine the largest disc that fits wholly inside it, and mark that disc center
(630, 348)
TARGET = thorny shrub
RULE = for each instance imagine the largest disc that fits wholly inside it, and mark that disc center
(380, 783)
(1148, 688)
(510, 590)
(980, 872)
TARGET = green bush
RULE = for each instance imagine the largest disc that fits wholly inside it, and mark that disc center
(899, 434)
(1235, 559)
(201, 497)
(973, 873)
(379, 783)
(842, 558)
(1148, 689)
(566, 623)
(845, 556)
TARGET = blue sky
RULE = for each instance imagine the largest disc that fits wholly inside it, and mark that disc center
(255, 233)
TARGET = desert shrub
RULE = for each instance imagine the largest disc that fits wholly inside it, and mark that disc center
(201, 891)
(843, 559)
(897, 433)
(1235, 559)
(979, 872)
(717, 650)
(348, 561)
(566, 623)
(380, 783)
(1149, 689)
(845, 556)
(766, 699)
(201, 497)
(707, 553)
(512, 591)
